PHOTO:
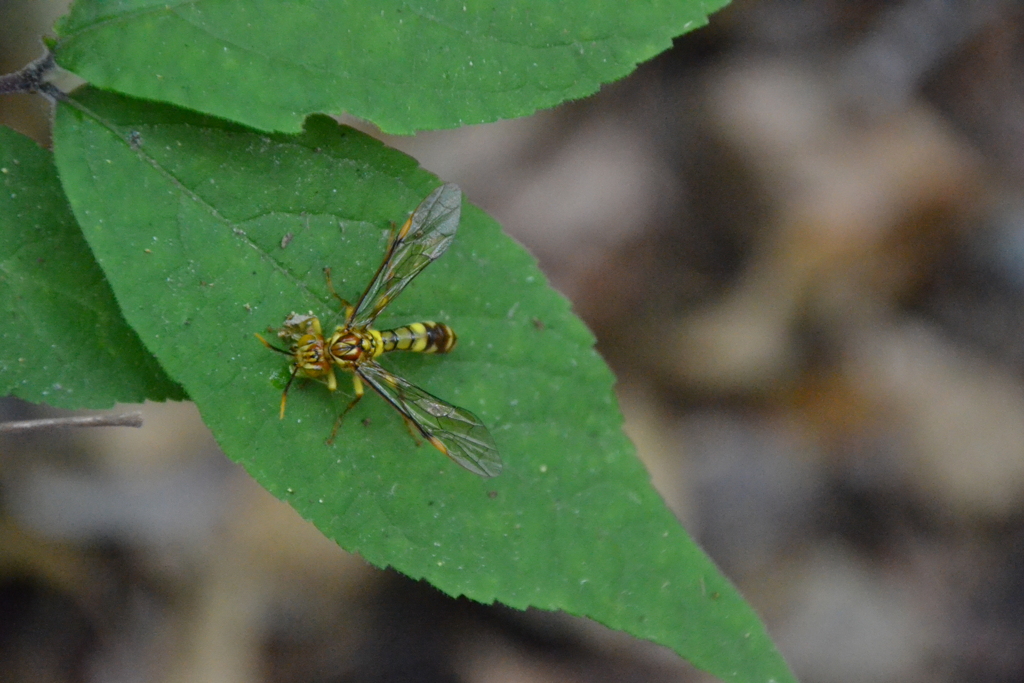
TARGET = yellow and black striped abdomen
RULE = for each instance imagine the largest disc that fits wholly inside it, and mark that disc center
(425, 337)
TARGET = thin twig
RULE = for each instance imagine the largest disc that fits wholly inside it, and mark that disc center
(30, 78)
(52, 92)
(123, 420)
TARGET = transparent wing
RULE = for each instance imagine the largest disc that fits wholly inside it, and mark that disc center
(457, 433)
(422, 239)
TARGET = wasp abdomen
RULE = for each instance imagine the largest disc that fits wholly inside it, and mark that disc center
(425, 337)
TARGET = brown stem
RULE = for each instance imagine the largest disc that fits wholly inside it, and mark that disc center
(30, 78)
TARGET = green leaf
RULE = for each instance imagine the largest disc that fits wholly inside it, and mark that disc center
(63, 340)
(401, 65)
(210, 233)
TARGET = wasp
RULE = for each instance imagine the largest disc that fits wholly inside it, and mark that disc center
(355, 345)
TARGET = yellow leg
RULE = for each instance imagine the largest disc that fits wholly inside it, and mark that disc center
(357, 387)
(284, 394)
(418, 436)
(295, 369)
(413, 430)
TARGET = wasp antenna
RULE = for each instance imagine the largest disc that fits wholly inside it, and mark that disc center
(270, 346)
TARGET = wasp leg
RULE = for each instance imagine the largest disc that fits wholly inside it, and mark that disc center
(414, 431)
(344, 302)
(284, 394)
(357, 386)
(295, 370)
(419, 437)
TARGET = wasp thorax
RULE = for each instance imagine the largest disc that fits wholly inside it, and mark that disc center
(348, 347)
(309, 355)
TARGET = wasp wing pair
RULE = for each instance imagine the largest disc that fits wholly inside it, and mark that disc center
(354, 345)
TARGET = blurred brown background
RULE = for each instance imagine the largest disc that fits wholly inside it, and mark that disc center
(799, 239)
